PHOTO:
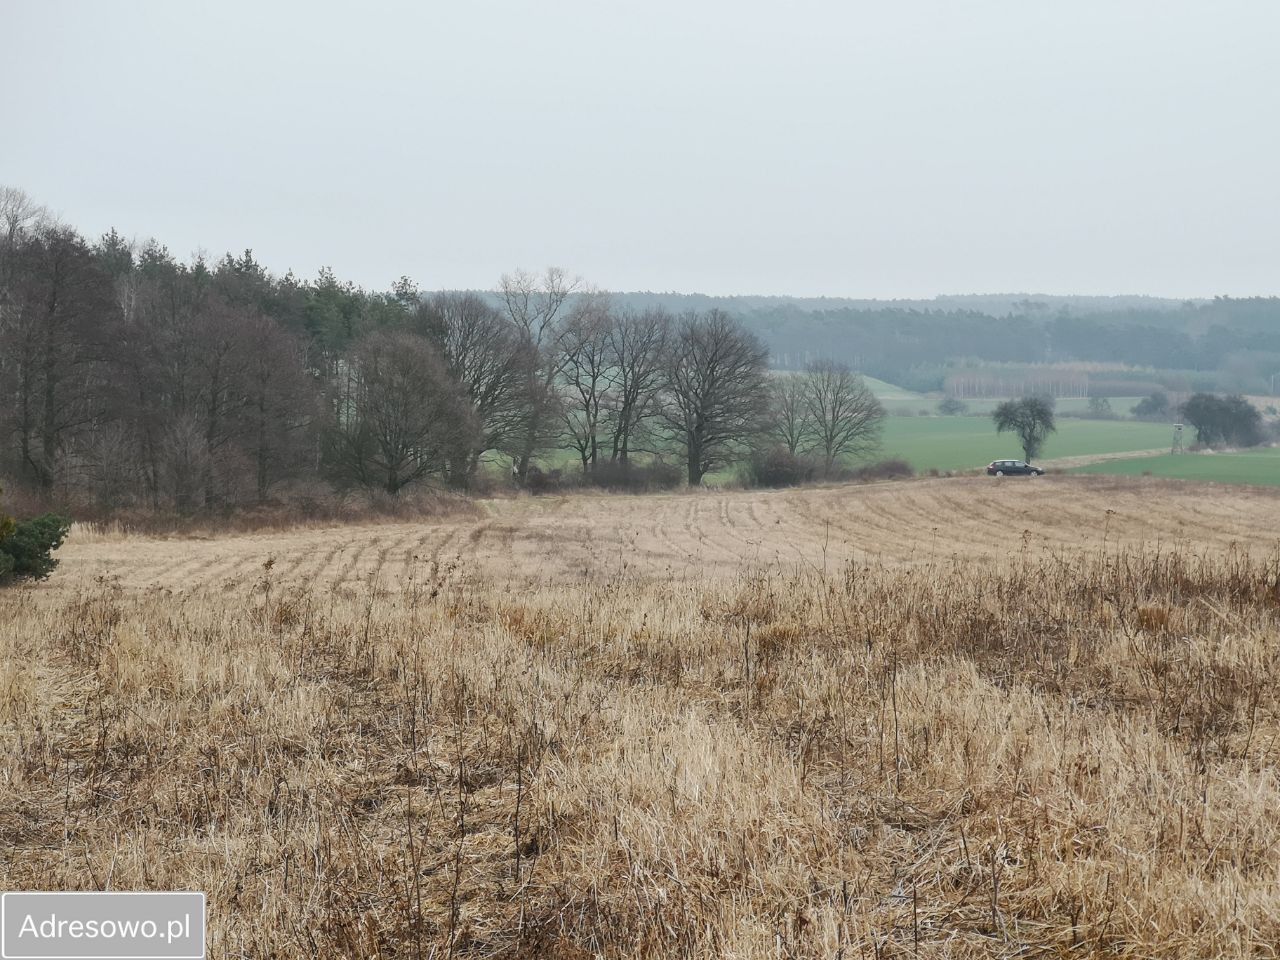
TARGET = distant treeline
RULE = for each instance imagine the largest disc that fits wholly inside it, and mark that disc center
(1224, 343)
(1237, 342)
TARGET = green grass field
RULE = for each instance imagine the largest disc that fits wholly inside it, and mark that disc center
(967, 443)
(889, 391)
(970, 442)
(1260, 467)
(962, 443)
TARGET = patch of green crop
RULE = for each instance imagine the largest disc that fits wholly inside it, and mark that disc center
(1261, 467)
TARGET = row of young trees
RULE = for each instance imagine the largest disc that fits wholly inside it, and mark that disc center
(547, 369)
(128, 377)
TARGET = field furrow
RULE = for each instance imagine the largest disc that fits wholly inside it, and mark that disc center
(675, 535)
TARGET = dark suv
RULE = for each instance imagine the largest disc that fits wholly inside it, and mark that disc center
(1012, 468)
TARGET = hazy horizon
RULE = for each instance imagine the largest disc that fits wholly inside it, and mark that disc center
(852, 151)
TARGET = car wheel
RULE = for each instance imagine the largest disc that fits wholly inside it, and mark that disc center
(999, 473)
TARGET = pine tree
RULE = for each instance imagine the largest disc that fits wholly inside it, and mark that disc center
(26, 546)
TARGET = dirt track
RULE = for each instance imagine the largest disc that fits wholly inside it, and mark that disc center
(1066, 463)
(676, 536)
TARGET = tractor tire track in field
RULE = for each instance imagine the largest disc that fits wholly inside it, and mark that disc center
(743, 527)
(726, 536)
(350, 570)
(836, 536)
(180, 574)
(443, 544)
(226, 568)
(971, 522)
(709, 534)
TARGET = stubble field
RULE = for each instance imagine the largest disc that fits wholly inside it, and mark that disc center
(958, 718)
(557, 540)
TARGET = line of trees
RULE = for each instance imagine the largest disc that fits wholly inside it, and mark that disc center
(826, 412)
(129, 378)
(956, 343)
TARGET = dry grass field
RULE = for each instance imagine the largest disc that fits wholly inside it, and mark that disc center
(553, 540)
(952, 718)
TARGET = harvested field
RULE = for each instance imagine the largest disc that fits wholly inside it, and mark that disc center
(959, 718)
(675, 536)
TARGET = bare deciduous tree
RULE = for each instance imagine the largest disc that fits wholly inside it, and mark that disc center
(637, 349)
(278, 401)
(154, 361)
(53, 337)
(18, 214)
(218, 359)
(491, 359)
(844, 415)
(715, 389)
(406, 415)
(183, 458)
(535, 305)
(585, 372)
(789, 424)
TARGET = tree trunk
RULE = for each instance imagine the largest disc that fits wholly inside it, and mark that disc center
(211, 434)
(262, 452)
(27, 418)
(694, 462)
(48, 428)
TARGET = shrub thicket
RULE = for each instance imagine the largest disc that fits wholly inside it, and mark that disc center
(777, 467)
(894, 468)
(635, 477)
(1100, 409)
(1155, 406)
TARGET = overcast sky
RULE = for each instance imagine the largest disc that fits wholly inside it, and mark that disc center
(895, 148)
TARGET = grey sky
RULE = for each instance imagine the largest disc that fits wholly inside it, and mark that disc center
(883, 149)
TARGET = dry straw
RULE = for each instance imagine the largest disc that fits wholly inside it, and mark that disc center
(1065, 752)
